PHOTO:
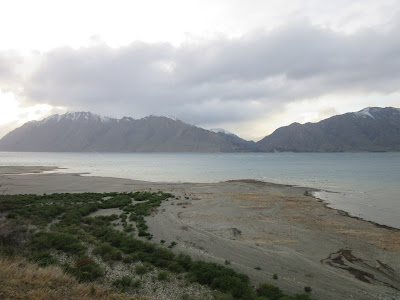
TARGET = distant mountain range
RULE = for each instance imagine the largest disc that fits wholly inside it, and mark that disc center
(371, 129)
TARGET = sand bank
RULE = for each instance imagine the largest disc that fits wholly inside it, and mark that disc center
(280, 229)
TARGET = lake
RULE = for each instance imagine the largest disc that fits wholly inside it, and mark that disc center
(366, 185)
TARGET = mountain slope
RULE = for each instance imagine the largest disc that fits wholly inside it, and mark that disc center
(236, 140)
(371, 129)
(84, 131)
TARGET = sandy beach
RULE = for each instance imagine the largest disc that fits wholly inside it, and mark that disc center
(280, 229)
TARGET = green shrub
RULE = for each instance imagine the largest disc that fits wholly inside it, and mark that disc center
(129, 228)
(83, 261)
(43, 259)
(107, 252)
(227, 262)
(275, 276)
(270, 291)
(85, 269)
(307, 289)
(140, 270)
(235, 286)
(206, 272)
(174, 266)
(68, 243)
(184, 261)
(130, 258)
(257, 268)
(120, 201)
(137, 283)
(173, 244)
(123, 282)
(185, 297)
(163, 275)
(149, 266)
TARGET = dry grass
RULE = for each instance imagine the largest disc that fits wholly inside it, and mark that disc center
(20, 279)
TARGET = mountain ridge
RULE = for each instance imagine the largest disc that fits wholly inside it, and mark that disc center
(85, 132)
(370, 129)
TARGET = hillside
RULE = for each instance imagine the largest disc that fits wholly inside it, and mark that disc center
(86, 132)
(371, 129)
(26, 280)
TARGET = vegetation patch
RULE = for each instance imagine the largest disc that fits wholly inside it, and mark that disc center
(61, 225)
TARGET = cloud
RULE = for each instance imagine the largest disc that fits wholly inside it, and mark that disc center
(223, 80)
(9, 63)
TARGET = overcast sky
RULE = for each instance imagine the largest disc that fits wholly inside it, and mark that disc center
(248, 66)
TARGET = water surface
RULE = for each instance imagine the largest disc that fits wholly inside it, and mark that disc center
(366, 185)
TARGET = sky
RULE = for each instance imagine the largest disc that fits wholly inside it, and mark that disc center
(248, 66)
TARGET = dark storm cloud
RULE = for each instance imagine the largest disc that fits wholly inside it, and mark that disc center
(222, 80)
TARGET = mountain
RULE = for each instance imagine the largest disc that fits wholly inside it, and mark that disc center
(371, 129)
(84, 132)
(235, 140)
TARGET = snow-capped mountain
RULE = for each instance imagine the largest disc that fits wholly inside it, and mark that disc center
(370, 129)
(220, 130)
(85, 131)
(77, 116)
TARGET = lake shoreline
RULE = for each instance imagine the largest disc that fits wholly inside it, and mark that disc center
(31, 170)
(363, 184)
(279, 228)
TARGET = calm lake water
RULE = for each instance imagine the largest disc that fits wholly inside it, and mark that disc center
(366, 185)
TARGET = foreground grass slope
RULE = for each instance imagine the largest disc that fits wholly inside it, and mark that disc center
(60, 229)
(21, 279)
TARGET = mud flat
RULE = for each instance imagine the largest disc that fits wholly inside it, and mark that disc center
(277, 229)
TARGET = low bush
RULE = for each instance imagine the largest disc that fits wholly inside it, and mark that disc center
(270, 291)
(173, 244)
(85, 269)
(140, 270)
(163, 275)
(42, 258)
(123, 282)
(67, 243)
(235, 286)
(130, 258)
(107, 252)
(137, 283)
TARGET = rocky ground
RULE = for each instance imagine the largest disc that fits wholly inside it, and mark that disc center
(258, 228)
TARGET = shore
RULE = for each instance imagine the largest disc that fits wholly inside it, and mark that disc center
(278, 229)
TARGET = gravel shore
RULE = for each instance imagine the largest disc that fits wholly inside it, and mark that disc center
(258, 228)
